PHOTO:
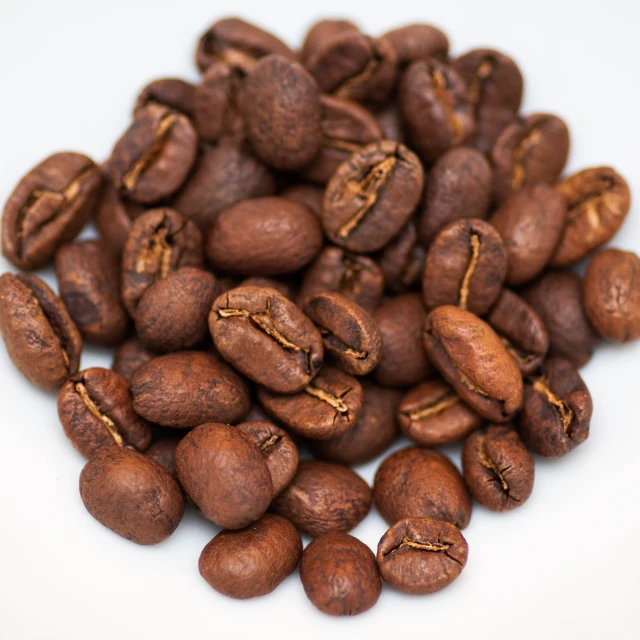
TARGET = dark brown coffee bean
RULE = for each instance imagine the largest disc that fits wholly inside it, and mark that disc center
(529, 151)
(421, 555)
(423, 483)
(339, 575)
(310, 195)
(270, 550)
(321, 32)
(129, 356)
(402, 260)
(390, 121)
(497, 468)
(417, 42)
(432, 414)
(89, 282)
(530, 223)
(41, 339)
(164, 453)
(327, 407)
(557, 410)
(466, 266)
(267, 338)
(48, 208)
(324, 498)
(474, 361)
(270, 283)
(598, 200)
(225, 475)
(349, 334)
(188, 388)
(372, 196)
(168, 92)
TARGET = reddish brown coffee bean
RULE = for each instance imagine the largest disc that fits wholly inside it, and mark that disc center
(168, 92)
(417, 42)
(402, 260)
(280, 286)
(164, 453)
(321, 32)
(310, 195)
(129, 356)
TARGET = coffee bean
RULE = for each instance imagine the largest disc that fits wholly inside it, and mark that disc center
(421, 555)
(310, 195)
(372, 196)
(417, 42)
(48, 208)
(129, 356)
(402, 260)
(474, 361)
(270, 549)
(321, 32)
(390, 121)
(131, 495)
(168, 92)
(423, 483)
(269, 283)
(164, 453)
(225, 474)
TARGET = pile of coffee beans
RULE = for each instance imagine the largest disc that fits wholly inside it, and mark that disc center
(302, 257)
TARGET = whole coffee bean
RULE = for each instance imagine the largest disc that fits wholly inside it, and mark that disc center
(267, 338)
(495, 92)
(372, 196)
(611, 294)
(557, 298)
(598, 200)
(417, 42)
(281, 108)
(521, 330)
(321, 32)
(349, 334)
(168, 92)
(431, 415)
(280, 286)
(270, 550)
(339, 575)
(402, 260)
(474, 361)
(264, 236)
(129, 356)
(173, 312)
(530, 223)
(225, 475)
(164, 453)
(421, 555)
(497, 468)
(89, 281)
(310, 195)
(131, 495)
(154, 156)
(404, 361)
(435, 108)
(460, 185)
(355, 277)
(188, 388)
(466, 266)
(279, 451)
(41, 339)
(423, 483)
(373, 432)
(529, 151)
(48, 208)
(326, 408)
(557, 410)
(159, 242)
(324, 498)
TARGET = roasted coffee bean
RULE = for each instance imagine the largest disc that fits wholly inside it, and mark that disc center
(460, 185)
(431, 415)
(225, 474)
(164, 453)
(402, 260)
(48, 208)
(264, 236)
(327, 407)
(154, 156)
(474, 361)
(267, 338)
(400, 322)
(168, 92)
(498, 470)
(339, 575)
(495, 92)
(390, 121)
(530, 223)
(270, 283)
(188, 388)
(310, 195)
(598, 200)
(321, 32)
(324, 498)
(557, 298)
(423, 483)
(557, 410)
(131, 495)
(270, 550)
(529, 151)
(349, 334)
(89, 281)
(129, 356)
(417, 42)
(372, 196)
(41, 339)
(466, 266)
(421, 555)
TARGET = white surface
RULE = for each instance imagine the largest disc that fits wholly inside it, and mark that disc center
(565, 565)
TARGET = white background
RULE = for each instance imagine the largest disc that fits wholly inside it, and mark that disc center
(566, 565)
